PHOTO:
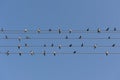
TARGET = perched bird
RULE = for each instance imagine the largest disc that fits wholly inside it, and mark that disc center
(19, 39)
(20, 53)
(115, 29)
(25, 30)
(6, 37)
(59, 30)
(108, 37)
(98, 30)
(88, 29)
(106, 53)
(82, 45)
(31, 52)
(113, 45)
(59, 46)
(54, 53)
(70, 30)
(38, 30)
(19, 46)
(26, 45)
(66, 37)
(44, 45)
(95, 46)
(52, 45)
(74, 52)
(80, 37)
(8, 52)
(70, 45)
(44, 53)
(50, 30)
(107, 29)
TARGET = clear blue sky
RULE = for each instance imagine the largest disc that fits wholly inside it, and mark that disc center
(20, 14)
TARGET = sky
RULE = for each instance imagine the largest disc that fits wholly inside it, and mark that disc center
(75, 14)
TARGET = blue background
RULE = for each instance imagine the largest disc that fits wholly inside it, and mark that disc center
(75, 14)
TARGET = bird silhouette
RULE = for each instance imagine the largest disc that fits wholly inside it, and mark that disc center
(6, 37)
(59, 31)
(95, 46)
(59, 46)
(44, 45)
(20, 53)
(19, 46)
(106, 53)
(31, 52)
(50, 30)
(98, 30)
(109, 37)
(38, 30)
(88, 29)
(70, 30)
(52, 45)
(8, 52)
(25, 30)
(44, 53)
(54, 53)
(74, 52)
(82, 45)
(19, 39)
(70, 45)
(107, 29)
(113, 45)
(26, 45)
(66, 37)
(115, 29)
(80, 37)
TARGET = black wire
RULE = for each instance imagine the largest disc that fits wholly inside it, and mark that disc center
(58, 38)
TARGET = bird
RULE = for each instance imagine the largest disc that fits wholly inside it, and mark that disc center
(115, 29)
(59, 46)
(44, 53)
(70, 45)
(19, 39)
(50, 30)
(82, 45)
(106, 53)
(80, 37)
(107, 29)
(108, 37)
(31, 52)
(8, 52)
(66, 37)
(38, 30)
(54, 53)
(95, 46)
(88, 29)
(59, 30)
(74, 52)
(26, 45)
(98, 30)
(44, 45)
(19, 46)
(20, 53)
(52, 45)
(25, 30)
(70, 30)
(113, 45)
(6, 37)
